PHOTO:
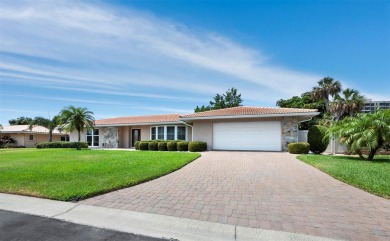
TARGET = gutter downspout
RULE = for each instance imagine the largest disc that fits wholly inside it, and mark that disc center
(192, 129)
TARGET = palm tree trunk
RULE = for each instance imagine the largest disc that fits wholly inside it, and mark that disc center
(360, 155)
(372, 154)
(78, 143)
(50, 135)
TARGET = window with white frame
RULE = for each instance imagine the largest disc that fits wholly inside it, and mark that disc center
(64, 138)
(31, 137)
(161, 133)
(153, 133)
(181, 133)
(93, 137)
(168, 133)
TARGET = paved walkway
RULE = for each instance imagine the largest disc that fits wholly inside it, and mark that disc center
(260, 190)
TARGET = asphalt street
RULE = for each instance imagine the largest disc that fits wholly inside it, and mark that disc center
(18, 226)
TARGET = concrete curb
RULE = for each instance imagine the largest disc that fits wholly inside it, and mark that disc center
(146, 224)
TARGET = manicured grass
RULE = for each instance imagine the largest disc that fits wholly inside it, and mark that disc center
(372, 176)
(67, 174)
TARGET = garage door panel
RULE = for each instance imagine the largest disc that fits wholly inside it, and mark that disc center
(265, 136)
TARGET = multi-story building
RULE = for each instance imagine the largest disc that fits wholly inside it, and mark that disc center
(371, 106)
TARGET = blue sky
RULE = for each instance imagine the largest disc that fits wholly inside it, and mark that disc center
(122, 58)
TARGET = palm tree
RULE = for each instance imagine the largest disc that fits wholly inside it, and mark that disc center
(365, 131)
(77, 118)
(326, 87)
(50, 124)
(349, 104)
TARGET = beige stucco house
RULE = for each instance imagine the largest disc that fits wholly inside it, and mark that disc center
(237, 128)
(24, 136)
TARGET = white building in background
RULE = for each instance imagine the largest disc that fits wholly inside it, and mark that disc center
(371, 106)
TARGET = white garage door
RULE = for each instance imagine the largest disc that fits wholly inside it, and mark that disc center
(257, 136)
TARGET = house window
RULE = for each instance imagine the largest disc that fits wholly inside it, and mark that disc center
(93, 137)
(160, 132)
(153, 137)
(168, 133)
(64, 138)
(31, 137)
(181, 133)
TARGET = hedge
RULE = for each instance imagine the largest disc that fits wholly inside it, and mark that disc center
(197, 146)
(162, 146)
(182, 146)
(143, 145)
(153, 146)
(172, 146)
(136, 145)
(315, 137)
(61, 144)
(298, 148)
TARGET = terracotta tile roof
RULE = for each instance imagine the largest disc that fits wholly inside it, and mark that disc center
(248, 110)
(139, 119)
(26, 129)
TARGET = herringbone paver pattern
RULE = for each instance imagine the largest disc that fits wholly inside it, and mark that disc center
(260, 190)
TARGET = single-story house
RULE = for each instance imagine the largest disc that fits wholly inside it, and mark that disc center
(237, 128)
(24, 136)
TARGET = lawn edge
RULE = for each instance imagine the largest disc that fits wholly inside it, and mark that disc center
(73, 199)
(346, 182)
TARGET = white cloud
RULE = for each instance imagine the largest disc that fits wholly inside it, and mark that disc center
(97, 45)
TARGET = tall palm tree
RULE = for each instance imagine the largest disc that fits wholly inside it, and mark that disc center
(50, 124)
(349, 104)
(326, 87)
(77, 118)
(364, 131)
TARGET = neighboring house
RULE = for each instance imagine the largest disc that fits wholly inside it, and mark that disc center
(28, 138)
(371, 106)
(237, 128)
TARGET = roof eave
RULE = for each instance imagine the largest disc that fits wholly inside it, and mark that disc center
(139, 124)
(248, 116)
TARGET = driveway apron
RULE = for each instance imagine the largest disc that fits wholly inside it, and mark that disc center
(265, 190)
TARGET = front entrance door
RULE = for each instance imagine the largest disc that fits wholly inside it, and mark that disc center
(135, 136)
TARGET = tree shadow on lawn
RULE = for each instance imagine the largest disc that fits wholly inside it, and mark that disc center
(377, 159)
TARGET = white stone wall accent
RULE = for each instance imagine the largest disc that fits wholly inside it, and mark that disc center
(289, 131)
(109, 137)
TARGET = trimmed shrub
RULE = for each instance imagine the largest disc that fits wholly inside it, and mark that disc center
(61, 144)
(315, 137)
(162, 146)
(143, 146)
(172, 146)
(299, 148)
(136, 145)
(153, 146)
(182, 146)
(197, 146)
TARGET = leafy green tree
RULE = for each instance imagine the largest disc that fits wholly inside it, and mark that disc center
(347, 104)
(230, 99)
(50, 124)
(20, 121)
(326, 87)
(77, 118)
(202, 108)
(305, 101)
(364, 131)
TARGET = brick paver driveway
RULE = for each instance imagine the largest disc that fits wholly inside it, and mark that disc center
(260, 190)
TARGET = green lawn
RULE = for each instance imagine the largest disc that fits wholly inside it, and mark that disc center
(372, 176)
(67, 174)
